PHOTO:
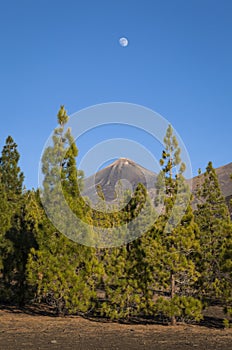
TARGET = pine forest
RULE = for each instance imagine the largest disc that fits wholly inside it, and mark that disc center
(171, 273)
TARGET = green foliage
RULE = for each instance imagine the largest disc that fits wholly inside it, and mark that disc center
(10, 174)
(14, 242)
(185, 308)
(213, 219)
(227, 323)
(5, 220)
(62, 273)
(61, 270)
(126, 284)
(21, 238)
(4, 210)
(61, 185)
(120, 286)
(171, 154)
(174, 261)
(176, 230)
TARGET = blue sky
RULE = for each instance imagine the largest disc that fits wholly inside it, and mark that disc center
(178, 63)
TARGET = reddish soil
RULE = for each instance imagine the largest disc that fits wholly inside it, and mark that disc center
(23, 331)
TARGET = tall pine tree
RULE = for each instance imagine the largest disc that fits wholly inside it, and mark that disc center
(16, 247)
(176, 234)
(10, 174)
(213, 219)
(61, 270)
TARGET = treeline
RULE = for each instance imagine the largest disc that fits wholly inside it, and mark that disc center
(181, 264)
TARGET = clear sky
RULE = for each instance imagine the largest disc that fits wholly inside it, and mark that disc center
(178, 63)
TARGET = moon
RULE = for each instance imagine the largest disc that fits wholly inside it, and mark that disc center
(123, 42)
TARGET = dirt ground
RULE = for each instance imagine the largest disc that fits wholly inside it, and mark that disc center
(23, 331)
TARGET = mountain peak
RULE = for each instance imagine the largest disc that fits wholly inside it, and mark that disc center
(122, 170)
(130, 174)
(123, 160)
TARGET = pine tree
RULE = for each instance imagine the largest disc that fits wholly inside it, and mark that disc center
(119, 284)
(22, 237)
(10, 174)
(227, 272)
(13, 254)
(213, 219)
(61, 185)
(176, 235)
(62, 273)
(61, 270)
(123, 265)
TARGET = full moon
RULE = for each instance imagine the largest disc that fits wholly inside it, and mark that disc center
(123, 42)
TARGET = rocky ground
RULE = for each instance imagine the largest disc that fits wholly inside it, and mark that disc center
(24, 330)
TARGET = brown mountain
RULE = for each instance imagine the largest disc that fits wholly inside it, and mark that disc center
(121, 175)
(126, 174)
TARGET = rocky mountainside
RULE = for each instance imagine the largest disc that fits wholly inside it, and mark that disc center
(126, 174)
(121, 175)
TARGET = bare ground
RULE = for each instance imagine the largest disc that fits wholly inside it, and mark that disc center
(24, 331)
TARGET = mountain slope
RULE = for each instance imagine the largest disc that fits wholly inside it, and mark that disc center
(122, 173)
(126, 174)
